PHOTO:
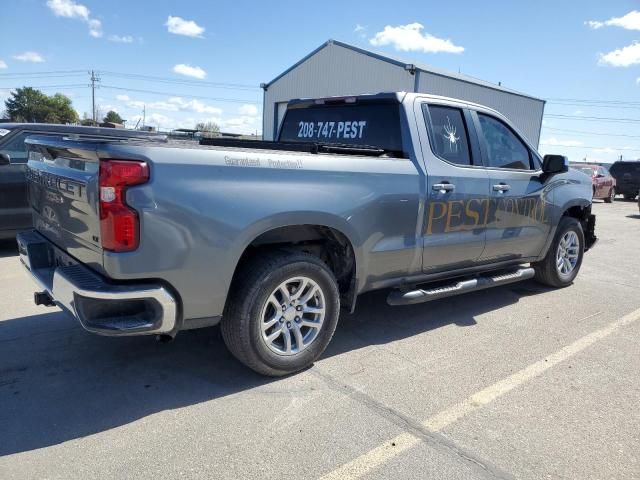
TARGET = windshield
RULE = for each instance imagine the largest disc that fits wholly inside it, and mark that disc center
(375, 125)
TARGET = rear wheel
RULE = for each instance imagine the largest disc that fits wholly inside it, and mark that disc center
(629, 196)
(612, 195)
(564, 258)
(282, 312)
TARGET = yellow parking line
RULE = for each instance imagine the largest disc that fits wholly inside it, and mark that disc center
(378, 456)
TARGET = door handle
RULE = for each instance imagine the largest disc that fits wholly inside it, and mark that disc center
(443, 187)
(501, 187)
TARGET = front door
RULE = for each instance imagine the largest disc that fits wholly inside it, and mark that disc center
(519, 208)
(456, 187)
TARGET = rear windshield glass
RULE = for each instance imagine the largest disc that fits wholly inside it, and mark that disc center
(375, 125)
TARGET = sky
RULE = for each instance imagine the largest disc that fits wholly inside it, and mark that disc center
(208, 58)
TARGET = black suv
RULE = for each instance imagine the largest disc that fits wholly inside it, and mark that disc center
(627, 175)
(15, 214)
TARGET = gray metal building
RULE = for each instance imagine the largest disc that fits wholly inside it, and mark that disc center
(337, 68)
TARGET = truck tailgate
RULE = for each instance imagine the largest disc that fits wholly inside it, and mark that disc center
(63, 195)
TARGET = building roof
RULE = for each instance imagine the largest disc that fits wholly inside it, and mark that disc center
(407, 65)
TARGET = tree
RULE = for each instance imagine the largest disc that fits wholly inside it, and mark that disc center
(61, 110)
(30, 105)
(112, 117)
(208, 127)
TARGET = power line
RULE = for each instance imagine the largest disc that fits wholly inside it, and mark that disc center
(584, 105)
(594, 119)
(583, 132)
(178, 81)
(53, 72)
(232, 100)
(588, 101)
(67, 86)
(624, 149)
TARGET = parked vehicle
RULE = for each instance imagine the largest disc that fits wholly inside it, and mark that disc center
(627, 175)
(604, 185)
(15, 214)
(270, 239)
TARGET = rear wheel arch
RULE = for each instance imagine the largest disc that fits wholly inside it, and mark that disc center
(329, 244)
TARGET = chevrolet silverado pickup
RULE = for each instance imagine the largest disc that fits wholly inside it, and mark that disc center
(425, 196)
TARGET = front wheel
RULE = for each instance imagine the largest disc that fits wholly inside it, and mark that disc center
(281, 313)
(612, 196)
(564, 258)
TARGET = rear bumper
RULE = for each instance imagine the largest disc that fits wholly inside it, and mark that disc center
(101, 306)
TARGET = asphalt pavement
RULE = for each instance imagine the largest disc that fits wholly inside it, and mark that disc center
(520, 382)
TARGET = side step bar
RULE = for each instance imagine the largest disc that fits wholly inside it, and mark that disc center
(399, 297)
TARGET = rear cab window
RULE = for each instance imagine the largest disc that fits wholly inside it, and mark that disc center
(449, 134)
(349, 122)
(17, 149)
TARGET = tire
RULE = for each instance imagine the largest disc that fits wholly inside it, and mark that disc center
(612, 196)
(251, 305)
(546, 271)
(629, 197)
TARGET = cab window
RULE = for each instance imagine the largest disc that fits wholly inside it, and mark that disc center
(449, 137)
(504, 148)
(16, 149)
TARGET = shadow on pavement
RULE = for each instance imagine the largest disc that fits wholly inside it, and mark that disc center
(8, 248)
(59, 383)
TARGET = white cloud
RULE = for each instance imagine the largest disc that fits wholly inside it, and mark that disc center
(553, 141)
(3, 65)
(71, 9)
(33, 57)
(248, 110)
(121, 39)
(190, 71)
(172, 104)
(360, 30)
(180, 26)
(95, 28)
(638, 80)
(411, 38)
(622, 57)
(630, 21)
(194, 106)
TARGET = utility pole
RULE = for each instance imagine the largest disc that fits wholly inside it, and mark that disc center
(94, 79)
(144, 115)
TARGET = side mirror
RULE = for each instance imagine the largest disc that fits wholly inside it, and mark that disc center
(4, 159)
(552, 164)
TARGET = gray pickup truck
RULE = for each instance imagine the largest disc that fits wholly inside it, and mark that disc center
(426, 196)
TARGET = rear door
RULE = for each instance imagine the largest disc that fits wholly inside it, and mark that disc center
(518, 220)
(457, 187)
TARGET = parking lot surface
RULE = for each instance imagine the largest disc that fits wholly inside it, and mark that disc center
(515, 382)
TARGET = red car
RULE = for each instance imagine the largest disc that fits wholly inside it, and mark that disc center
(604, 185)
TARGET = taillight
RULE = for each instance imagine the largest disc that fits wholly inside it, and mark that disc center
(119, 223)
